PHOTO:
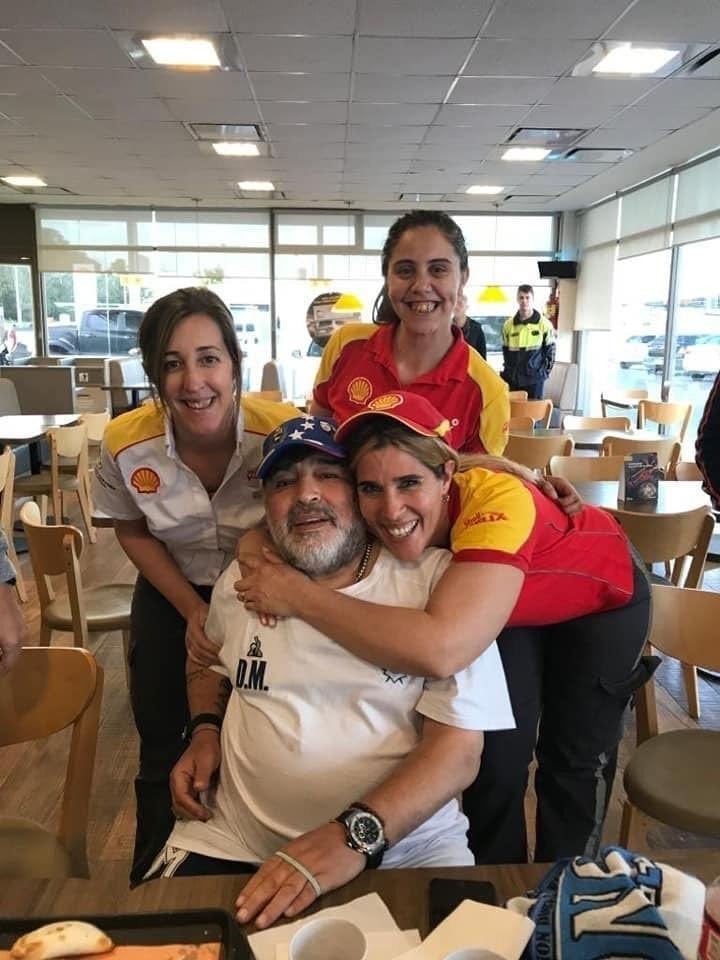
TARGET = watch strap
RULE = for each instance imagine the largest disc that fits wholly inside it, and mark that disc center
(372, 860)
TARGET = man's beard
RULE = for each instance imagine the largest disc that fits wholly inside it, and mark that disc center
(323, 553)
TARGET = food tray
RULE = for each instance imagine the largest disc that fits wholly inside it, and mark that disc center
(152, 929)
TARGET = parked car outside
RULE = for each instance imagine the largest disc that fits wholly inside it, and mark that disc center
(702, 359)
(635, 350)
(656, 351)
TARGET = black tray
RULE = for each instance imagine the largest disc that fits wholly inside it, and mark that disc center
(187, 926)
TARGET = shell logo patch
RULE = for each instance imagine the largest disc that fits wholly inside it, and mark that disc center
(145, 480)
(386, 402)
(359, 390)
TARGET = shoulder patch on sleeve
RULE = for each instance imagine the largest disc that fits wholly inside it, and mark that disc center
(133, 427)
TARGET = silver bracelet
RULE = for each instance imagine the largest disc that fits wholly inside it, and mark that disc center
(310, 877)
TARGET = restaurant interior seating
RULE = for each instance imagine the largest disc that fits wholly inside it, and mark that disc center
(55, 552)
(7, 507)
(581, 469)
(682, 539)
(67, 472)
(119, 371)
(562, 388)
(674, 776)
(521, 424)
(572, 422)
(539, 411)
(48, 690)
(621, 399)
(517, 394)
(535, 452)
(668, 450)
(665, 414)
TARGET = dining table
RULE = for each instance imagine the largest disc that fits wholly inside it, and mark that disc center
(588, 439)
(674, 496)
(31, 428)
(405, 892)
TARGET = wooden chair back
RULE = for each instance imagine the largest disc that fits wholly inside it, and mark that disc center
(55, 552)
(539, 410)
(667, 448)
(570, 422)
(521, 424)
(7, 509)
(49, 689)
(517, 394)
(687, 470)
(667, 414)
(535, 452)
(674, 538)
(95, 424)
(580, 469)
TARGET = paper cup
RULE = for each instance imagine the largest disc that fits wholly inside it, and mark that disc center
(328, 938)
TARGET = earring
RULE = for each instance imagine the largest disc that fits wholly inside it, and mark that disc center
(445, 498)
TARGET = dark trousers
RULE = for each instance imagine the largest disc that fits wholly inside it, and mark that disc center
(534, 390)
(199, 865)
(159, 703)
(575, 680)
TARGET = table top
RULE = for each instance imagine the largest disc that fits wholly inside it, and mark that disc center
(588, 439)
(404, 891)
(26, 427)
(674, 496)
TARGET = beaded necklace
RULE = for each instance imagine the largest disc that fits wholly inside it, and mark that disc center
(363, 565)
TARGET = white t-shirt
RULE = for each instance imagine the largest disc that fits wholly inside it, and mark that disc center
(309, 727)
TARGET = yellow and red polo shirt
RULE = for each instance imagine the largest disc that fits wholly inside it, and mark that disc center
(358, 364)
(141, 475)
(572, 565)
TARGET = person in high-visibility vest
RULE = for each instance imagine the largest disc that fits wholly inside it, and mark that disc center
(528, 347)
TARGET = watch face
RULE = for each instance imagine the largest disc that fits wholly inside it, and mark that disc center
(365, 830)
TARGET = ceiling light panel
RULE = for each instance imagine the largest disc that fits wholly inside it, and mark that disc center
(256, 185)
(230, 149)
(618, 58)
(525, 154)
(24, 181)
(487, 189)
(182, 51)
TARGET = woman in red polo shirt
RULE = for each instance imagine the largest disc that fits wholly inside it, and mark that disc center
(414, 345)
(569, 585)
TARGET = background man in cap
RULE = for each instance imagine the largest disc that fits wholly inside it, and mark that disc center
(327, 764)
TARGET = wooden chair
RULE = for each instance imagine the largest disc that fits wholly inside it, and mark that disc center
(667, 448)
(666, 414)
(96, 424)
(682, 540)
(521, 424)
(580, 469)
(55, 551)
(571, 422)
(535, 452)
(623, 399)
(68, 473)
(517, 394)
(7, 505)
(674, 776)
(539, 410)
(47, 691)
(687, 470)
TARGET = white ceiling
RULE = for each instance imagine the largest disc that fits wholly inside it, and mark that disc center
(360, 100)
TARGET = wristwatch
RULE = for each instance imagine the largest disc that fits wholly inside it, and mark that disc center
(365, 832)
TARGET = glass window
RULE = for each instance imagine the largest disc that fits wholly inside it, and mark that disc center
(310, 230)
(17, 330)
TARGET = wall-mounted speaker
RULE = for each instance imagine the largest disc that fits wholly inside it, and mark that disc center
(557, 269)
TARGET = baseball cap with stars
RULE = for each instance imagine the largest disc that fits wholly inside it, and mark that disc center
(317, 433)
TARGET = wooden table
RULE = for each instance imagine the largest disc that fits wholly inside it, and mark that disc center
(674, 496)
(404, 891)
(30, 428)
(589, 439)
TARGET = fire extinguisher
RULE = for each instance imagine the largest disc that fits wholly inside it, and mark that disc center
(552, 307)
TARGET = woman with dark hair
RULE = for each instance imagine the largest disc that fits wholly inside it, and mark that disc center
(414, 344)
(177, 476)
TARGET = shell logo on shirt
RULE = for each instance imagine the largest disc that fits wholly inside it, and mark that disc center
(386, 402)
(491, 517)
(145, 480)
(359, 390)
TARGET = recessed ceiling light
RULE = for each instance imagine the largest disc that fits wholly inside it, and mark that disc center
(228, 149)
(525, 153)
(24, 181)
(481, 188)
(182, 51)
(634, 60)
(256, 185)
